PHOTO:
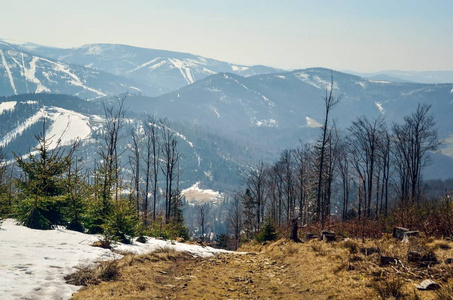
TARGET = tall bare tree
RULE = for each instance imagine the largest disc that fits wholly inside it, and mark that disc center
(329, 102)
(412, 141)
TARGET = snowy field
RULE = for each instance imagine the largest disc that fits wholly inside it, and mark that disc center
(33, 263)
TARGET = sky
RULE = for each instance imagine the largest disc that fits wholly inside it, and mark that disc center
(359, 35)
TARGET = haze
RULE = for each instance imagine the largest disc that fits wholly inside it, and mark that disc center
(364, 36)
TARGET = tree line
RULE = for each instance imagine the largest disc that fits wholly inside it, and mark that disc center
(371, 171)
(128, 191)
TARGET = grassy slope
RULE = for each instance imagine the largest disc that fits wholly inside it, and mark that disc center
(280, 270)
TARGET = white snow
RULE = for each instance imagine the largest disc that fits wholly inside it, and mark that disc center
(155, 244)
(155, 66)
(269, 102)
(280, 76)
(23, 126)
(135, 88)
(239, 68)
(94, 50)
(305, 78)
(214, 109)
(184, 68)
(380, 81)
(30, 76)
(361, 83)
(379, 106)
(8, 71)
(33, 263)
(75, 80)
(266, 123)
(312, 122)
(7, 106)
(451, 92)
(67, 126)
(198, 195)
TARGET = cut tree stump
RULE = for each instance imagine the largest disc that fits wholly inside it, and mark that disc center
(398, 232)
(328, 236)
(427, 285)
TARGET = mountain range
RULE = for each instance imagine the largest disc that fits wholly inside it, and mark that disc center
(226, 116)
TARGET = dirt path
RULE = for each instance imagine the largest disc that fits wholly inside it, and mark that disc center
(181, 276)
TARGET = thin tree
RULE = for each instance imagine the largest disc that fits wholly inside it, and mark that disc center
(329, 102)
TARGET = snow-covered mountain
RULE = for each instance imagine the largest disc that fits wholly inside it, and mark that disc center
(22, 71)
(275, 111)
(294, 100)
(167, 70)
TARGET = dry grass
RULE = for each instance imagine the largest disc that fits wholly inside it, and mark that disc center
(283, 270)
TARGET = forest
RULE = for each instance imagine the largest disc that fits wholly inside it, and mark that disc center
(360, 181)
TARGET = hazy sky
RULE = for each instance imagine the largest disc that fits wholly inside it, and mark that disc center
(344, 35)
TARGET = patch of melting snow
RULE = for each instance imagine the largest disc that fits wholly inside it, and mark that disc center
(312, 122)
(23, 126)
(75, 80)
(7, 106)
(30, 76)
(379, 106)
(34, 263)
(8, 71)
(379, 81)
(67, 125)
(196, 194)
(184, 68)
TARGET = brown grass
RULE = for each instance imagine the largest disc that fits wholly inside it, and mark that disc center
(282, 270)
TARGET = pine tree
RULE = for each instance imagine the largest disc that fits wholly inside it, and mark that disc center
(43, 185)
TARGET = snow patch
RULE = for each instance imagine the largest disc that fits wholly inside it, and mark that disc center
(214, 109)
(75, 80)
(379, 81)
(30, 75)
(34, 263)
(239, 68)
(8, 71)
(21, 128)
(184, 68)
(312, 122)
(198, 195)
(266, 123)
(155, 66)
(280, 76)
(7, 106)
(361, 83)
(67, 125)
(135, 88)
(379, 106)
(94, 50)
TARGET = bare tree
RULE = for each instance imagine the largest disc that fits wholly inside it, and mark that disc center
(412, 140)
(170, 158)
(134, 161)
(109, 151)
(202, 219)
(329, 102)
(255, 180)
(366, 139)
(152, 165)
(235, 219)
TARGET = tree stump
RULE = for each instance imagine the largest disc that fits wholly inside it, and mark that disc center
(294, 228)
(398, 232)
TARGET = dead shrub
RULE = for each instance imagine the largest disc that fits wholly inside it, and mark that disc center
(351, 246)
(104, 243)
(88, 275)
(389, 288)
(445, 293)
(319, 249)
